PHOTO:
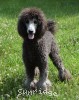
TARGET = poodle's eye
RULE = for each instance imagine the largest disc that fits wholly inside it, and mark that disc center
(27, 21)
(35, 21)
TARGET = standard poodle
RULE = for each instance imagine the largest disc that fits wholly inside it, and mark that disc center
(39, 44)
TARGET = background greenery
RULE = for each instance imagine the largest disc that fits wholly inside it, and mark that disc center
(66, 14)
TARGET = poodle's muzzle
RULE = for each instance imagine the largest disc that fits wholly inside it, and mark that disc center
(31, 28)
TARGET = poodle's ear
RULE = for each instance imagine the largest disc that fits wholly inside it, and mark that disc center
(41, 28)
(22, 28)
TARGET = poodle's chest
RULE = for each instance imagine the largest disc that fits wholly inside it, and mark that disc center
(35, 48)
(38, 48)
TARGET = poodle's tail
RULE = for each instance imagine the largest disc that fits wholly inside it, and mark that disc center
(51, 26)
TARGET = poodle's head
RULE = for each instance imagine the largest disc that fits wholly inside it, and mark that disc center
(32, 23)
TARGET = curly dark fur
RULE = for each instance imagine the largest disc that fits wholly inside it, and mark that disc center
(37, 51)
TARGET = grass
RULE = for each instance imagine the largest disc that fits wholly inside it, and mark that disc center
(66, 14)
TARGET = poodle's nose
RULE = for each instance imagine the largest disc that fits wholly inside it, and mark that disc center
(30, 31)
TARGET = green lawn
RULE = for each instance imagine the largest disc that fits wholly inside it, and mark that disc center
(66, 14)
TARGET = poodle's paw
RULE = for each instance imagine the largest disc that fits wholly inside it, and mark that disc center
(46, 85)
(30, 85)
(33, 84)
(64, 75)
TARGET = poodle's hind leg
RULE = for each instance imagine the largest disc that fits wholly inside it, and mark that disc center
(64, 74)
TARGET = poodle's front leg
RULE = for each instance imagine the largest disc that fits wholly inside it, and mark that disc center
(43, 83)
(29, 83)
